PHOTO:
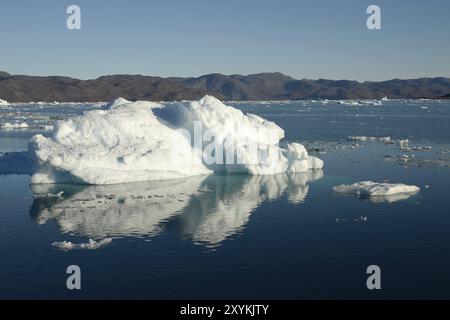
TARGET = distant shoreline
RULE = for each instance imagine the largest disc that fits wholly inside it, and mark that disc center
(256, 87)
(347, 102)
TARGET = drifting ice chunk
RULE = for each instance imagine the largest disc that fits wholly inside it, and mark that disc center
(404, 144)
(359, 103)
(91, 245)
(140, 141)
(46, 127)
(364, 138)
(49, 195)
(8, 125)
(370, 188)
(390, 199)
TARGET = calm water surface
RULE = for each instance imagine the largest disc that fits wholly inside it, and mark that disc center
(239, 236)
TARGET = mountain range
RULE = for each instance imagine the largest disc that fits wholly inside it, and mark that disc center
(262, 86)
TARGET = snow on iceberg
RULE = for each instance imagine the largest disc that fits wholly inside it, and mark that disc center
(141, 141)
(374, 189)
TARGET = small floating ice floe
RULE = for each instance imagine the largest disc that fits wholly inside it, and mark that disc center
(350, 103)
(49, 195)
(364, 138)
(405, 158)
(378, 192)
(404, 145)
(91, 245)
(360, 103)
(46, 127)
(422, 148)
(8, 125)
(370, 103)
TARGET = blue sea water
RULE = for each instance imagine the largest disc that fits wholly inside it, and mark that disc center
(239, 236)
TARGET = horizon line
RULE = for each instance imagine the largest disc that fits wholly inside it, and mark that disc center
(222, 74)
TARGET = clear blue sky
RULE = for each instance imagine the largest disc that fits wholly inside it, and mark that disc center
(305, 39)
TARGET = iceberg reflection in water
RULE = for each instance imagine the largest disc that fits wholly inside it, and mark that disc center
(211, 208)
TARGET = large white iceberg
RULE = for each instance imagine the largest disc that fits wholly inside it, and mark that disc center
(140, 141)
